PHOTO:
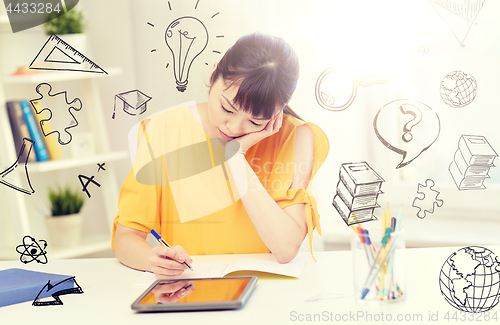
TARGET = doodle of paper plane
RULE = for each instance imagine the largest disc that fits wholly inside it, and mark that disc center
(134, 102)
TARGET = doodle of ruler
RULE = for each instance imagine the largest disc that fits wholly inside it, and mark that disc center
(27, 145)
(192, 164)
(337, 88)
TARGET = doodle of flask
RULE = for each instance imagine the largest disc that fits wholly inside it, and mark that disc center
(27, 145)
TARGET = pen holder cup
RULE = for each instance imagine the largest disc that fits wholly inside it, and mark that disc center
(378, 268)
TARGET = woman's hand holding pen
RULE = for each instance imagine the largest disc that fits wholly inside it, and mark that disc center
(242, 144)
(168, 262)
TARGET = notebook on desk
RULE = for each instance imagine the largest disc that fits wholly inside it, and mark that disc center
(221, 269)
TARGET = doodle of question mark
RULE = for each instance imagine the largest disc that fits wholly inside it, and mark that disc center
(417, 117)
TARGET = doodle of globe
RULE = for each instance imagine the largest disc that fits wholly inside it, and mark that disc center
(458, 89)
(470, 279)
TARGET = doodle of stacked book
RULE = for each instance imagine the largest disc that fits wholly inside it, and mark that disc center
(472, 162)
(357, 192)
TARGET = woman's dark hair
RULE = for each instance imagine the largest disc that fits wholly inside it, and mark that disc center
(266, 68)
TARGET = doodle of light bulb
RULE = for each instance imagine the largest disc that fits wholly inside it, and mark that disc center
(186, 37)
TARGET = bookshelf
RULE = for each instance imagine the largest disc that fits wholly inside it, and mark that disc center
(55, 76)
(16, 211)
(53, 165)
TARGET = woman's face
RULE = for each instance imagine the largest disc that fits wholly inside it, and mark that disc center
(227, 120)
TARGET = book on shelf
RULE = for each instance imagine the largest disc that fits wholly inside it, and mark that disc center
(50, 141)
(360, 178)
(19, 129)
(42, 153)
(476, 150)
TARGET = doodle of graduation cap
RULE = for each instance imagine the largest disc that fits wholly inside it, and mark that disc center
(134, 102)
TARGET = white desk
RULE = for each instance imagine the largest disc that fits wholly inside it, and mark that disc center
(109, 292)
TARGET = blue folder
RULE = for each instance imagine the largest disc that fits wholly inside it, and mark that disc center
(18, 285)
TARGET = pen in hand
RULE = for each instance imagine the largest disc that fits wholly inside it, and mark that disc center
(164, 243)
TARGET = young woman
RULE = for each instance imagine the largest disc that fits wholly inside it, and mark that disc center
(255, 199)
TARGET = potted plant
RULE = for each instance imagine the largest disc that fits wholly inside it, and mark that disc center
(70, 26)
(65, 223)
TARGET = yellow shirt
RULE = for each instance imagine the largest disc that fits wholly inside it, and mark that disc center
(150, 203)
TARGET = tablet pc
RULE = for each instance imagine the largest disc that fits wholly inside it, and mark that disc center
(196, 294)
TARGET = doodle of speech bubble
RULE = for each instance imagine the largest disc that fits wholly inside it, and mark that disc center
(24, 15)
(418, 133)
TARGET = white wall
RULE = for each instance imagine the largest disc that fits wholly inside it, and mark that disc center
(111, 35)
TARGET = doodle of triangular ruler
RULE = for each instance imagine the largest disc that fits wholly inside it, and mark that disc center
(56, 54)
(459, 15)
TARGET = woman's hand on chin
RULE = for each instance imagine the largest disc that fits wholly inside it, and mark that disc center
(243, 143)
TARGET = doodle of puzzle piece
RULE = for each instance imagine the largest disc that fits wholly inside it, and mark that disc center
(58, 111)
(429, 200)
